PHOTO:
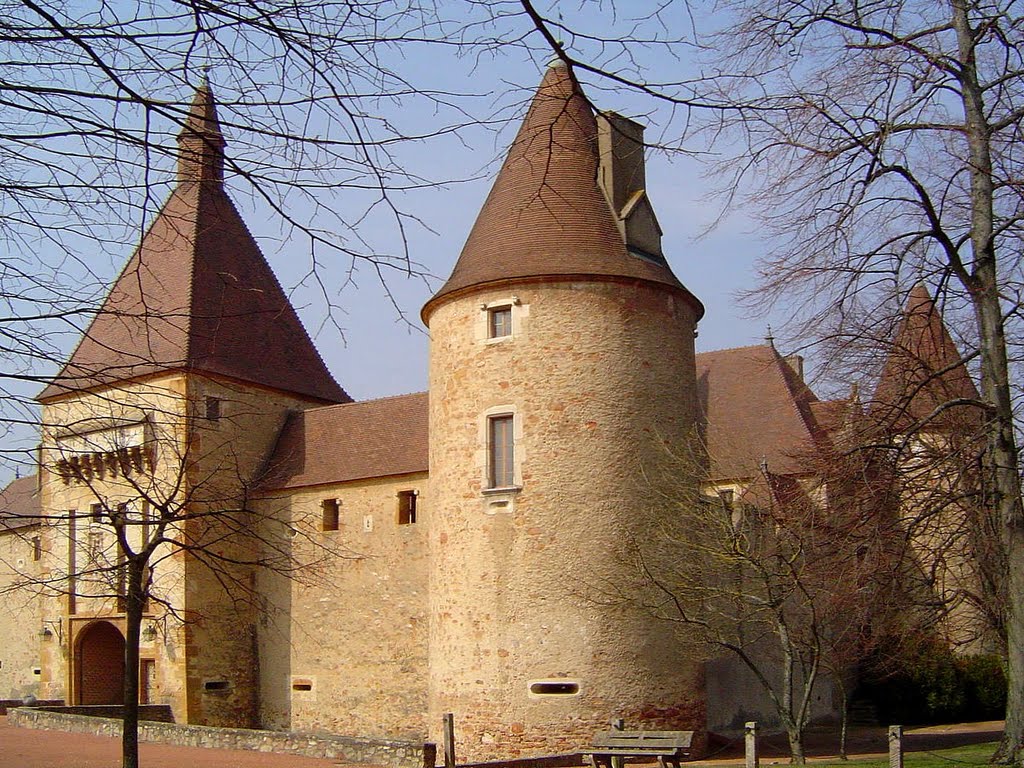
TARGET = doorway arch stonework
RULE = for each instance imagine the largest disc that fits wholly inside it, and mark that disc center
(99, 663)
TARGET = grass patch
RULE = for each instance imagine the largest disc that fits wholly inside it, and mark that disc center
(973, 754)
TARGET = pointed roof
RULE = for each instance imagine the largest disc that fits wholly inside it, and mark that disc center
(197, 294)
(201, 142)
(924, 369)
(546, 215)
(755, 409)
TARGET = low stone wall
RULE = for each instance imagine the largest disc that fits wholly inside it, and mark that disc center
(6, 704)
(397, 754)
(153, 713)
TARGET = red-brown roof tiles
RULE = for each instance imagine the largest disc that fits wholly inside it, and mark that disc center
(198, 295)
(924, 370)
(20, 505)
(755, 409)
(355, 441)
(545, 215)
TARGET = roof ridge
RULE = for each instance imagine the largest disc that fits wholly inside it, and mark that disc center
(801, 396)
(365, 402)
(270, 271)
(55, 381)
(733, 349)
(191, 283)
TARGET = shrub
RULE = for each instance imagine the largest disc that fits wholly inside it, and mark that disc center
(934, 686)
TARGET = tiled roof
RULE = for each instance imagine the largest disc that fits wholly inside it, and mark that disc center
(924, 370)
(355, 441)
(754, 408)
(198, 295)
(545, 215)
(20, 505)
(772, 491)
(834, 415)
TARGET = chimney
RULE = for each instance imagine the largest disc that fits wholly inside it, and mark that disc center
(796, 362)
(620, 174)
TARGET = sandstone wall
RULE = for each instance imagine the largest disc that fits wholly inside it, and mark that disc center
(190, 464)
(599, 377)
(343, 647)
(221, 602)
(20, 641)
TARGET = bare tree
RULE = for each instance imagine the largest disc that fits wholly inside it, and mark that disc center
(319, 101)
(156, 513)
(880, 145)
(786, 580)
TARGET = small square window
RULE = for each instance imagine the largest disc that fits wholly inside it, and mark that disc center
(96, 512)
(213, 409)
(499, 322)
(331, 509)
(407, 507)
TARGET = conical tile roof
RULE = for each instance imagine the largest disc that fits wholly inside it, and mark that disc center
(198, 295)
(924, 370)
(545, 215)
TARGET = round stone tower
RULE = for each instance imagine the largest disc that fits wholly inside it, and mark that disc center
(561, 375)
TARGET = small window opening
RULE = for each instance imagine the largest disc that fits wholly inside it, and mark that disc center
(555, 688)
(407, 507)
(499, 322)
(96, 512)
(216, 685)
(37, 548)
(331, 509)
(213, 409)
(302, 685)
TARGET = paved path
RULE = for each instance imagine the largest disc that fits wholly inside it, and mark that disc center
(30, 748)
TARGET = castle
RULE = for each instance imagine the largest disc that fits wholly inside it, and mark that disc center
(443, 543)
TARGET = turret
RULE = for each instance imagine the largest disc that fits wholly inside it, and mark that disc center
(561, 378)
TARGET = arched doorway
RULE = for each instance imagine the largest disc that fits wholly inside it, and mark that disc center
(100, 665)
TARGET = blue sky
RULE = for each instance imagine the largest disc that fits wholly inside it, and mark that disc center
(381, 353)
(375, 346)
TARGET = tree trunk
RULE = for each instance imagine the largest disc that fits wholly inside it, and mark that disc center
(844, 714)
(134, 602)
(1001, 449)
(796, 744)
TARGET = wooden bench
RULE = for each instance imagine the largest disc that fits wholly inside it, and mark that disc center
(667, 746)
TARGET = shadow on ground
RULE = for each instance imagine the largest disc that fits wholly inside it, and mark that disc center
(823, 741)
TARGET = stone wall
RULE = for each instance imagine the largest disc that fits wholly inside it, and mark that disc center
(398, 754)
(205, 668)
(220, 602)
(20, 640)
(531, 646)
(343, 648)
(156, 713)
(6, 704)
